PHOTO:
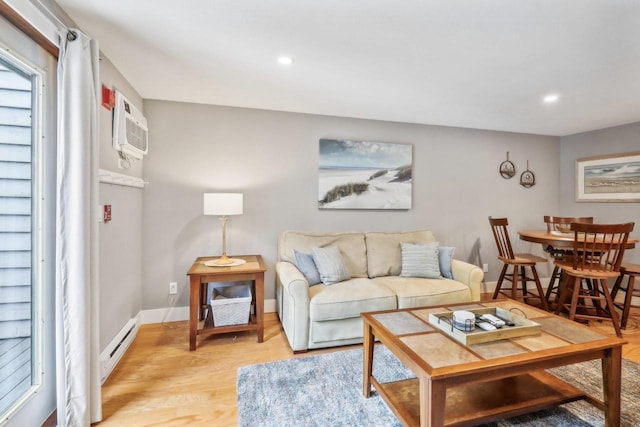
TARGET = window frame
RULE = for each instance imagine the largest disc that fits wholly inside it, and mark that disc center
(19, 64)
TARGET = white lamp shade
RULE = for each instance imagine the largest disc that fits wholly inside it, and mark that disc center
(223, 204)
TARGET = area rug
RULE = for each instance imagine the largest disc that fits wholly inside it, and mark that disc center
(326, 390)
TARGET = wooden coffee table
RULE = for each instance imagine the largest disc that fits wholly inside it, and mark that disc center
(457, 384)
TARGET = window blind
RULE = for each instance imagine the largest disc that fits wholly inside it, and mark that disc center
(16, 235)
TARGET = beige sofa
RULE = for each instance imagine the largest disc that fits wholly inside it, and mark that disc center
(329, 315)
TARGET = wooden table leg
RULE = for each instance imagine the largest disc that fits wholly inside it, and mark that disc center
(611, 383)
(367, 348)
(194, 302)
(259, 287)
(432, 402)
(631, 281)
(204, 287)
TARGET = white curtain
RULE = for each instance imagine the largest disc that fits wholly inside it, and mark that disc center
(77, 333)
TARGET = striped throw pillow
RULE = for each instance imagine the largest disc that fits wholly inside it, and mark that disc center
(330, 264)
(420, 260)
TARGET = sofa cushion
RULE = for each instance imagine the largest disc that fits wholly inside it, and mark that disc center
(330, 265)
(348, 299)
(420, 260)
(351, 244)
(307, 266)
(419, 292)
(383, 250)
(338, 332)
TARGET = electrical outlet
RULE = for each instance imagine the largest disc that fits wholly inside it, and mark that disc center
(485, 268)
(173, 288)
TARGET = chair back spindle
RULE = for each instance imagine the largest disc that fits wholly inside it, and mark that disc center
(599, 247)
(501, 236)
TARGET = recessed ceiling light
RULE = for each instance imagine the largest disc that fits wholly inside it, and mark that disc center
(550, 99)
(285, 60)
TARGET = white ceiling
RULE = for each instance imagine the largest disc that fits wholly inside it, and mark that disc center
(470, 63)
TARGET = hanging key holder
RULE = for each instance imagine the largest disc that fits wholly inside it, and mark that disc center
(527, 178)
(507, 169)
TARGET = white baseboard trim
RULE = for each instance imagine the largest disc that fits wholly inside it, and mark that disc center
(162, 315)
(486, 287)
(177, 314)
(491, 286)
(118, 346)
(269, 306)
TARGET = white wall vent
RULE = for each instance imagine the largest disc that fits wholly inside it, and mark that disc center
(118, 346)
(130, 132)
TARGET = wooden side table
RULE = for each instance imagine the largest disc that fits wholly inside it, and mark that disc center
(200, 275)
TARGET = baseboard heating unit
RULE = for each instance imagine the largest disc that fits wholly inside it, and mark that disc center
(118, 346)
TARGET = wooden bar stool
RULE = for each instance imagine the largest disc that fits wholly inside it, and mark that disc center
(559, 224)
(519, 262)
(632, 271)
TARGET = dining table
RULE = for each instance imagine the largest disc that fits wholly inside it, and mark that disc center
(557, 240)
(558, 243)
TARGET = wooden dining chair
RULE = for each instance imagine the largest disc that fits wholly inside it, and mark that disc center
(519, 262)
(597, 255)
(631, 271)
(561, 224)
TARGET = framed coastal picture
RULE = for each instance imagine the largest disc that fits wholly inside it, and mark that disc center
(364, 175)
(614, 178)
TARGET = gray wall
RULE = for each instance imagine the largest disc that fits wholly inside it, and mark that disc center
(272, 157)
(120, 239)
(615, 140)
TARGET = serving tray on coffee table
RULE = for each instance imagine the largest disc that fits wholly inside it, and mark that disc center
(523, 326)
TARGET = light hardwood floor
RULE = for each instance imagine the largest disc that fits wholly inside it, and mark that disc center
(159, 382)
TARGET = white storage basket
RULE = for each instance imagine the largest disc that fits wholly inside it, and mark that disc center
(231, 305)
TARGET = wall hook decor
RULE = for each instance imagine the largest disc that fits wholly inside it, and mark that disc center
(527, 178)
(507, 169)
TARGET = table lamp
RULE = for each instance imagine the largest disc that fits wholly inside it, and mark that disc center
(223, 204)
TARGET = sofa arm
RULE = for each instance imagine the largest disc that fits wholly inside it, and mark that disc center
(469, 274)
(294, 304)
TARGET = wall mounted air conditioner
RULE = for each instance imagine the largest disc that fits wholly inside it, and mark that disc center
(130, 132)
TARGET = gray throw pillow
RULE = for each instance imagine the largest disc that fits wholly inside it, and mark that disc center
(445, 255)
(420, 260)
(330, 264)
(307, 266)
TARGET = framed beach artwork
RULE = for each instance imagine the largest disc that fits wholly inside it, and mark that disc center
(364, 175)
(614, 178)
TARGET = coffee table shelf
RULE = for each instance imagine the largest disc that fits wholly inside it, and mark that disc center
(482, 402)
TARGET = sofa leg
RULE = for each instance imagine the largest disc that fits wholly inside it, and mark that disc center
(299, 351)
